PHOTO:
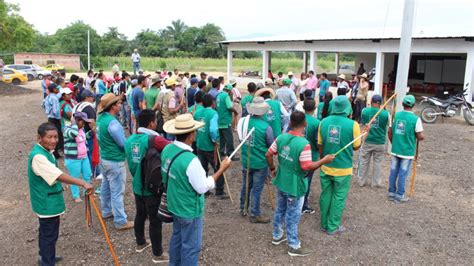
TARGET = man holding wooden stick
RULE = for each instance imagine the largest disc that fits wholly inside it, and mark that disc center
(407, 130)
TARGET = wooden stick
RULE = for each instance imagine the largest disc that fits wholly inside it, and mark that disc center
(350, 143)
(381, 109)
(270, 192)
(413, 174)
(247, 182)
(241, 143)
(225, 179)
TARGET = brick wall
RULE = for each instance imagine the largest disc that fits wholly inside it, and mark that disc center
(69, 61)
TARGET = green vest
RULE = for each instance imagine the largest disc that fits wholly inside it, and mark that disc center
(136, 147)
(45, 199)
(203, 137)
(378, 128)
(245, 100)
(403, 134)
(108, 148)
(150, 97)
(336, 132)
(273, 117)
(290, 178)
(320, 110)
(195, 108)
(258, 144)
(183, 200)
(311, 134)
(225, 116)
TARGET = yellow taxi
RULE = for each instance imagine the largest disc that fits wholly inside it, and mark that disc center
(54, 67)
(13, 76)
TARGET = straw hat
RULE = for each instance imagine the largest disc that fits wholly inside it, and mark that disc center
(265, 90)
(363, 76)
(342, 76)
(170, 82)
(155, 79)
(107, 100)
(182, 124)
(258, 106)
(290, 73)
(268, 81)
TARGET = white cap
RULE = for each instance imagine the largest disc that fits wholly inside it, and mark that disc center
(65, 90)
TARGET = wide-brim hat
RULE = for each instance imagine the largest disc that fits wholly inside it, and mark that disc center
(341, 106)
(290, 73)
(182, 124)
(258, 106)
(364, 75)
(265, 90)
(268, 81)
(107, 100)
(342, 76)
(170, 82)
(155, 79)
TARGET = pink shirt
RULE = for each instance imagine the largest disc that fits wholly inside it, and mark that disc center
(312, 83)
(81, 144)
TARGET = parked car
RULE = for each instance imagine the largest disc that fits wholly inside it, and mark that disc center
(32, 71)
(13, 76)
(54, 67)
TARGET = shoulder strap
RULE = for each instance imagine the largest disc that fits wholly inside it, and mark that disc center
(171, 162)
(151, 140)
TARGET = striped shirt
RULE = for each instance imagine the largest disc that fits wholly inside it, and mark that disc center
(70, 142)
(305, 155)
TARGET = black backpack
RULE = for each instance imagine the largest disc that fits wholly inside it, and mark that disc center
(151, 169)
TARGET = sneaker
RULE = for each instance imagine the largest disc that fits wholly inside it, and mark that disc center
(322, 229)
(341, 229)
(99, 177)
(108, 217)
(391, 196)
(164, 258)
(141, 248)
(126, 226)
(97, 191)
(78, 200)
(242, 213)
(57, 259)
(259, 219)
(301, 252)
(278, 241)
(235, 159)
(222, 196)
(404, 198)
(207, 194)
(308, 210)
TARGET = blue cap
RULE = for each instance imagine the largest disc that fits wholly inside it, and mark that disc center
(87, 93)
(194, 81)
(376, 98)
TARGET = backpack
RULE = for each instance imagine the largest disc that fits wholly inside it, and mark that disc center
(151, 169)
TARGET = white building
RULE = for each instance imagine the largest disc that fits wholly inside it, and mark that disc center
(441, 58)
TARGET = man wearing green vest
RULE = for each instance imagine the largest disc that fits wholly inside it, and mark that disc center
(112, 161)
(336, 131)
(225, 109)
(46, 191)
(277, 116)
(375, 142)
(197, 103)
(254, 165)
(186, 182)
(407, 130)
(146, 203)
(207, 138)
(251, 88)
(152, 93)
(295, 159)
(311, 134)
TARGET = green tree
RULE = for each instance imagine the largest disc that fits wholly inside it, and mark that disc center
(73, 39)
(207, 41)
(149, 43)
(114, 43)
(15, 33)
(43, 43)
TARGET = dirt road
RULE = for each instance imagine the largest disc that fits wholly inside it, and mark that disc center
(434, 228)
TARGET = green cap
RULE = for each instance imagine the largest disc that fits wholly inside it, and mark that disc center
(409, 100)
(228, 87)
(341, 106)
(287, 81)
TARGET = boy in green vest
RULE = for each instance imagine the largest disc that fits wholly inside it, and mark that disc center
(186, 182)
(225, 109)
(112, 161)
(311, 134)
(152, 93)
(407, 130)
(294, 157)
(375, 142)
(251, 88)
(46, 191)
(335, 131)
(255, 166)
(146, 203)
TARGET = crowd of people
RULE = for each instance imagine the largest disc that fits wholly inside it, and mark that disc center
(169, 115)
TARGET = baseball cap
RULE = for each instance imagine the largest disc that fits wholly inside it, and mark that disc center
(82, 116)
(170, 82)
(87, 93)
(65, 91)
(134, 82)
(409, 100)
(228, 87)
(287, 81)
(194, 81)
(52, 86)
(377, 99)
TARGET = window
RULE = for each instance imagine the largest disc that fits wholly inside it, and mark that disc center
(50, 62)
(27, 62)
(7, 71)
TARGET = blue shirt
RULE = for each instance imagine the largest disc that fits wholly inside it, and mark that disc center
(323, 86)
(51, 106)
(214, 128)
(213, 92)
(137, 98)
(191, 92)
(116, 132)
(101, 86)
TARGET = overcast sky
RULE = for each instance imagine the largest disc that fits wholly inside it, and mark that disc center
(243, 18)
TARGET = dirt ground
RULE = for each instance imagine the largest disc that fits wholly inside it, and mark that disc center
(435, 227)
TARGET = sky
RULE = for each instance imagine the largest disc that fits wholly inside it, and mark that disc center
(243, 18)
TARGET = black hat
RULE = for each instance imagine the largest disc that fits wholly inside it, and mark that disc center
(87, 93)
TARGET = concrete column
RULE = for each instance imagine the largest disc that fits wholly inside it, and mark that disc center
(379, 69)
(229, 64)
(265, 64)
(305, 62)
(337, 63)
(469, 75)
(269, 60)
(313, 61)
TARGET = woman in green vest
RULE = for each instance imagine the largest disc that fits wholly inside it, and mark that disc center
(295, 160)
(46, 192)
(407, 130)
(186, 182)
(335, 131)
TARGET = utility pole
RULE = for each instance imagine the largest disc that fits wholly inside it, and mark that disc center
(88, 50)
(401, 82)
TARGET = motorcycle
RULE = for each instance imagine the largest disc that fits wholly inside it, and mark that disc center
(447, 107)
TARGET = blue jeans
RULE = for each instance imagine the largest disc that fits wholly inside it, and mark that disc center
(48, 236)
(136, 67)
(288, 212)
(398, 168)
(256, 182)
(112, 190)
(309, 176)
(78, 168)
(125, 115)
(186, 241)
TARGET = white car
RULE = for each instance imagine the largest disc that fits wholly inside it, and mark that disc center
(33, 71)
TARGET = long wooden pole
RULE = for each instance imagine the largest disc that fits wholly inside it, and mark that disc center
(225, 179)
(413, 174)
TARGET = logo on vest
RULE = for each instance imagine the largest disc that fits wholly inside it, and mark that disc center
(375, 124)
(400, 129)
(285, 154)
(136, 152)
(334, 135)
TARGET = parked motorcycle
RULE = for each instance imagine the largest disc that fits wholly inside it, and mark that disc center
(447, 107)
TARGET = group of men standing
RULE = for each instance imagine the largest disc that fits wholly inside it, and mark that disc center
(190, 133)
